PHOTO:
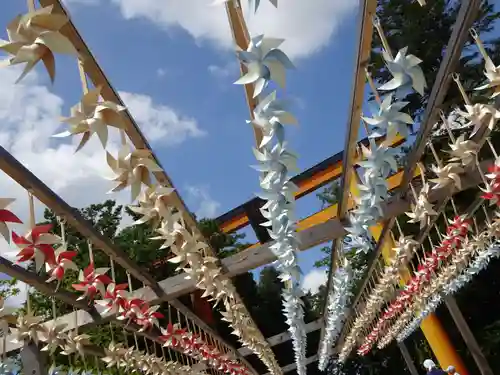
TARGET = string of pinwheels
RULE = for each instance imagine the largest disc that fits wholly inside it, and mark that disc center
(379, 161)
(266, 62)
(35, 37)
(463, 153)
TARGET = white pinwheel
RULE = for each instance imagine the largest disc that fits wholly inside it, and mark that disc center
(480, 115)
(269, 116)
(52, 336)
(113, 354)
(35, 37)
(153, 206)
(75, 343)
(256, 3)
(423, 209)
(28, 328)
(93, 116)
(293, 308)
(492, 74)
(447, 175)
(379, 160)
(389, 120)
(276, 162)
(132, 168)
(264, 62)
(406, 73)
(463, 151)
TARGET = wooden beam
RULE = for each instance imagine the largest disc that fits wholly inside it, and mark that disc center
(468, 336)
(284, 336)
(293, 366)
(308, 181)
(367, 9)
(407, 357)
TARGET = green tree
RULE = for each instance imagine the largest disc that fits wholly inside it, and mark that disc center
(8, 288)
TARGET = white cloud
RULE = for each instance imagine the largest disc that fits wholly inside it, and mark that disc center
(160, 122)
(224, 71)
(29, 116)
(207, 206)
(161, 73)
(307, 25)
(313, 280)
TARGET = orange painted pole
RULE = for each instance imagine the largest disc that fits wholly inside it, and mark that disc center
(438, 339)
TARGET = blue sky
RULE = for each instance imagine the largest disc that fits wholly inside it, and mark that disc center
(187, 66)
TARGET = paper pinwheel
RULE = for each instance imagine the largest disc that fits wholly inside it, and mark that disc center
(479, 115)
(264, 62)
(7, 217)
(406, 73)
(276, 162)
(52, 337)
(63, 262)
(423, 209)
(389, 121)
(148, 317)
(92, 116)
(28, 328)
(463, 151)
(256, 4)
(75, 343)
(447, 175)
(172, 335)
(269, 116)
(379, 160)
(293, 308)
(132, 168)
(492, 74)
(37, 245)
(130, 309)
(92, 281)
(114, 299)
(114, 354)
(152, 205)
(36, 36)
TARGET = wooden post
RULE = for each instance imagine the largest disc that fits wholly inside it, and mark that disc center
(33, 360)
(407, 358)
(468, 336)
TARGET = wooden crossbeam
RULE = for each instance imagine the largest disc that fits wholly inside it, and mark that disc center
(284, 336)
(293, 366)
(367, 10)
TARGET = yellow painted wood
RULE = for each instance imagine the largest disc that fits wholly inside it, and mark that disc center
(432, 328)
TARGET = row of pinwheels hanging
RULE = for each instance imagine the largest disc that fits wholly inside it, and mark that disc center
(265, 62)
(378, 162)
(464, 256)
(39, 245)
(35, 37)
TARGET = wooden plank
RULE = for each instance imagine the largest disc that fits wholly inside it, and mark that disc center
(293, 366)
(367, 9)
(38, 282)
(468, 336)
(284, 336)
(407, 357)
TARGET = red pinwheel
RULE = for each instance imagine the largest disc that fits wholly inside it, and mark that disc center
(172, 335)
(63, 262)
(148, 317)
(7, 217)
(131, 309)
(191, 343)
(92, 281)
(37, 245)
(114, 299)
